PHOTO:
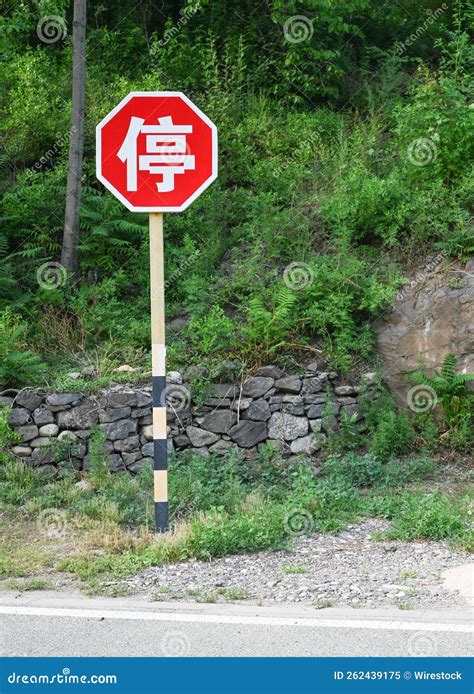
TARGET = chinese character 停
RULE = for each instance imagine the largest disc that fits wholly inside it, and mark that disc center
(165, 152)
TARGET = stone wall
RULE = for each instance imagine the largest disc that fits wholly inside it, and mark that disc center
(294, 412)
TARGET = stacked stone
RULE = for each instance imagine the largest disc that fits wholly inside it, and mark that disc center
(296, 413)
(57, 426)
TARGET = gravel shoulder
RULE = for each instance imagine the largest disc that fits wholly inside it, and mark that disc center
(344, 569)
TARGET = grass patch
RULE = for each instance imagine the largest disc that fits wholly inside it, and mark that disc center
(219, 506)
(28, 584)
(294, 570)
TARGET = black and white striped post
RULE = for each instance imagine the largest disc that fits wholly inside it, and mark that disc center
(158, 361)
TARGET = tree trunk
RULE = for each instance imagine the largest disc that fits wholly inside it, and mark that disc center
(69, 253)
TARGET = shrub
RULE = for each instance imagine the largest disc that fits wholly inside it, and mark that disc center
(18, 365)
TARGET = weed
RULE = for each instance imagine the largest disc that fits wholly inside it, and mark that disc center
(28, 584)
(294, 569)
(322, 603)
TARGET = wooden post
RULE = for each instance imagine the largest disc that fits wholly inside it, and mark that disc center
(158, 357)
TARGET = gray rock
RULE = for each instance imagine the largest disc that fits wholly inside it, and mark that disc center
(147, 432)
(218, 402)
(346, 400)
(74, 375)
(121, 429)
(296, 408)
(143, 399)
(315, 411)
(312, 385)
(306, 444)
(195, 372)
(19, 416)
(22, 451)
(224, 390)
(247, 434)
(43, 416)
(241, 404)
(276, 400)
(80, 450)
(144, 421)
(219, 422)
(115, 462)
(174, 377)
(203, 451)
(286, 426)
(60, 401)
(28, 432)
(370, 378)
(269, 371)
(67, 435)
(40, 442)
(130, 458)
(80, 417)
(220, 447)
(113, 414)
(315, 425)
(5, 401)
(315, 399)
(49, 471)
(129, 444)
(49, 430)
(122, 398)
(42, 456)
(258, 411)
(345, 390)
(290, 384)
(200, 438)
(140, 464)
(275, 408)
(256, 386)
(28, 399)
(82, 434)
(181, 441)
(147, 450)
(139, 412)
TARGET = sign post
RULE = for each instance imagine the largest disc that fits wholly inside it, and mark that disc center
(157, 152)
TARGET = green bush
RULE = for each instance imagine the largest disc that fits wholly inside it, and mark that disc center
(18, 366)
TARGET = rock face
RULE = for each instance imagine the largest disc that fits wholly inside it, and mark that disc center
(433, 316)
(292, 412)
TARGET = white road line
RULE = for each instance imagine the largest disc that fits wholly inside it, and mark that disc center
(234, 619)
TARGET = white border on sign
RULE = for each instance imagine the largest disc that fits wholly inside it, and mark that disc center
(119, 195)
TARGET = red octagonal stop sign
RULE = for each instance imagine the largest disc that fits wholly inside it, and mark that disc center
(156, 151)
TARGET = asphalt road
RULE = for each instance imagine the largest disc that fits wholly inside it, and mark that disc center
(48, 624)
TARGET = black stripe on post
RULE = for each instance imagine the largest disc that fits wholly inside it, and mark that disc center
(161, 516)
(160, 454)
(159, 385)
